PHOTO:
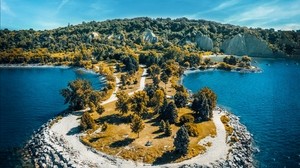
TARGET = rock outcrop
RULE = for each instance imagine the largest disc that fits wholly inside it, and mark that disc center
(149, 36)
(203, 42)
(246, 45)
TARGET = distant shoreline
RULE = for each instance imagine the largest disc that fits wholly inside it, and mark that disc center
(32, 66)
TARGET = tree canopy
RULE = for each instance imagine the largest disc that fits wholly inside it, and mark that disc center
(77, 94)
(204, 102)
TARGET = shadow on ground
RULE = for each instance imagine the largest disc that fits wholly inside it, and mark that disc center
(167, 157)
(116, 119)
(121, 143)
(74, 130)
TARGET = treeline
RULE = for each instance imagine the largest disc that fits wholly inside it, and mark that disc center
(104, 39)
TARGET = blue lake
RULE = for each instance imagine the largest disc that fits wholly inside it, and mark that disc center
(29, 97)
(268, 103)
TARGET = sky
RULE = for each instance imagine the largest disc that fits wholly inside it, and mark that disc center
(49, 14)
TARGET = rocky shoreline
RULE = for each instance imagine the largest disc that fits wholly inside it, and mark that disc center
(242, 150)
(46, 149)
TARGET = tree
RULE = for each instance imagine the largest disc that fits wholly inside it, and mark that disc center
(87, 121)
(168, 129)
(181, 141)
(122, 103)
(162, 125)
(124, 79)
(92, 107)
(181, 99)
(77, 94)
(172, 112)
(139, 102)
(155, 81)
(158, 99)
(204, 102)
(130, 64)
(165, 78)
(137, 124)
(154, 70)
(100, 109)
(230, 60)
(168, 112)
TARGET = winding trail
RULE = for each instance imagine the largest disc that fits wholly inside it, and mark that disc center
(68, 128)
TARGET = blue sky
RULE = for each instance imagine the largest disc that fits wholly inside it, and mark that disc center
(48, 14)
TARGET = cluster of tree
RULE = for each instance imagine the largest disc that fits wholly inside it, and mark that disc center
(101, 40)
(79, 95)
(245, 61)
(204, 101)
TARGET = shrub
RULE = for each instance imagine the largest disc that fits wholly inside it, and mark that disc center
(187, 118)
(87, 121)
(192, 129)
(104, 126)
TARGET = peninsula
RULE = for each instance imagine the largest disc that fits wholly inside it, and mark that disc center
(143, 116)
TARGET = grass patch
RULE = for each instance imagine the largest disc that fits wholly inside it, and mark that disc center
(225, 119)
(118, 140)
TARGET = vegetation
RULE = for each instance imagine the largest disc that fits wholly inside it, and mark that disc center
(139, 103)
(87, 122)
(204, 102)
(168, 129)
(137, 124)
(122, 103)
(77, 94)
(181, 141)
(181, 98)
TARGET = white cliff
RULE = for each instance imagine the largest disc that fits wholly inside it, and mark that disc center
(246, 45)
(149, 36)
(203, 42)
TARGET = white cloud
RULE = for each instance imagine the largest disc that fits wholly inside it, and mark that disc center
(63, 3)
(266, 14)
(226, 4)
(290, 26)
(6, 9)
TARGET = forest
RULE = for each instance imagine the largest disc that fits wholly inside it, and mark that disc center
(112, 39)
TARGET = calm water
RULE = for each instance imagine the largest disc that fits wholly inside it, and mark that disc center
(268, 103)
(29, 97)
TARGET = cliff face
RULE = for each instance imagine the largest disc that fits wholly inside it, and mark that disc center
(149, 36)
(247, 45)
(203, 42)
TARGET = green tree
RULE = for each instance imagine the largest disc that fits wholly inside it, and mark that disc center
(155, 81)
(87, 121)
(137, 124)
(204, 102)
(139, 102)
(162, 125)
(100, 109)
(172, 112)
(77, 94)
(181, 141)
(230, 60)
(168, 129)
(165, 78)
(181, 99)
(123, 104)
(158, 99)
(124, 79)
(154, 70)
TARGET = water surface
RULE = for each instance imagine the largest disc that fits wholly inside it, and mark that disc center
(268, 103)
(29, 97)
